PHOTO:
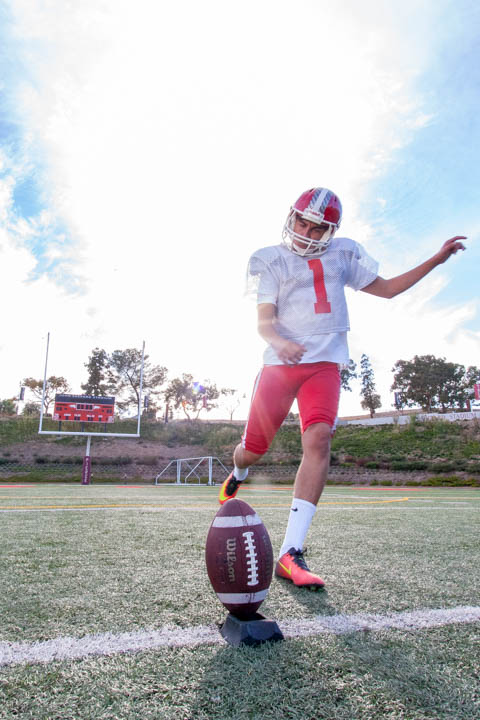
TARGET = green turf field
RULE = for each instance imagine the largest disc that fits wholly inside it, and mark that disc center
(92, 577)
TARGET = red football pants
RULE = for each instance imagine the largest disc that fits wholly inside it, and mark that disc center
(316, 386)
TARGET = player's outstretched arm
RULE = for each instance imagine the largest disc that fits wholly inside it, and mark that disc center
(388, 288)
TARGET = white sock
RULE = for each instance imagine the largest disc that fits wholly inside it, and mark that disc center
(240, 473)
(300, 518)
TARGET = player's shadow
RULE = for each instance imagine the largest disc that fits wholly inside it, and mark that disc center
(345, 677)
(317, 602)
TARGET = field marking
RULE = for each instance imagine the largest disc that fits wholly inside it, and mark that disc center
(367, 502)
(189, 508)
(390, 489)
(106, 506)
(2, 485)
(341, 502)
(71, 648)
(204, 506)
(346, 507)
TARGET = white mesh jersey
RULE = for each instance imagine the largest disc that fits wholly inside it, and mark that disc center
(309, 295)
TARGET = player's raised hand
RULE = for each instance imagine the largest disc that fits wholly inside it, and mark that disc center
(450, 247)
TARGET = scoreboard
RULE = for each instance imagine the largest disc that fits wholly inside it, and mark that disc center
(84, 408)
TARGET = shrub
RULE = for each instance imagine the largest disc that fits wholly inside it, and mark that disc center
(363, 461)
(449, 480)
(112, 460)
(409, 465)
(149, 460)
(401, 465)
(444, 467)
(473, 467)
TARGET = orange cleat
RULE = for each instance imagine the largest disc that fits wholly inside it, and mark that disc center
(229, 489)
(292, 566)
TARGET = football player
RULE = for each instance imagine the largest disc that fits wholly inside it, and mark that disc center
(303, 317)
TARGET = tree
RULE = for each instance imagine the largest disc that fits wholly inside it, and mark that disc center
(431, 383)
(471, 378)
(30, 409)
(233, 400)
(190, 397)
(370, 399)
(452, 392)
(123, 377)
(97, 366)
(53, 386)
(8, 407)
(347, 373)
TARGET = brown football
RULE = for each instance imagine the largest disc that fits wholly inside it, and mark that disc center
(239, 558)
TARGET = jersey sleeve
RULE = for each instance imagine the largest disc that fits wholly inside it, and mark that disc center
(361, 268)
(263, 278)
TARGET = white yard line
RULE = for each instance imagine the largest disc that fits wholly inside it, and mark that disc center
(70, 648)
(195, 508)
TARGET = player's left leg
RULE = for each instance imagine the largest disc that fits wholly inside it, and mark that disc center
(313, 469)
(309, 483)
(318, 403)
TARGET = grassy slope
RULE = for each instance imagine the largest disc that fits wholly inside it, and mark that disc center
(389, 446)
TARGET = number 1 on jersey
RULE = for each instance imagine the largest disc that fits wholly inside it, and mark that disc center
(322, 305)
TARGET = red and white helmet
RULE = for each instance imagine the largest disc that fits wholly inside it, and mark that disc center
(317, 205)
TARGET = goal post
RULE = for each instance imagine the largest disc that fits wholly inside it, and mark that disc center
(106, 406)
(41, 431)
(186, 468)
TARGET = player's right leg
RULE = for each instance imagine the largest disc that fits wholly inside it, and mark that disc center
(271, 401)
(242, 459)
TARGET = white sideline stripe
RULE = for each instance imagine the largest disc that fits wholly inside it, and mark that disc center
(236, 521)
(242, 598)
(413, 620)
(70, 648)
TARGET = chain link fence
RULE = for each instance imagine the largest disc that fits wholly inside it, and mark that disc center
(129, 469)
(134, 470)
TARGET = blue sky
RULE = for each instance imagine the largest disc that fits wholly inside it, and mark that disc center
(146, 153)
(434, 181)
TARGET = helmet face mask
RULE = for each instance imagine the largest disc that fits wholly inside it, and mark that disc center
(319, 206)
